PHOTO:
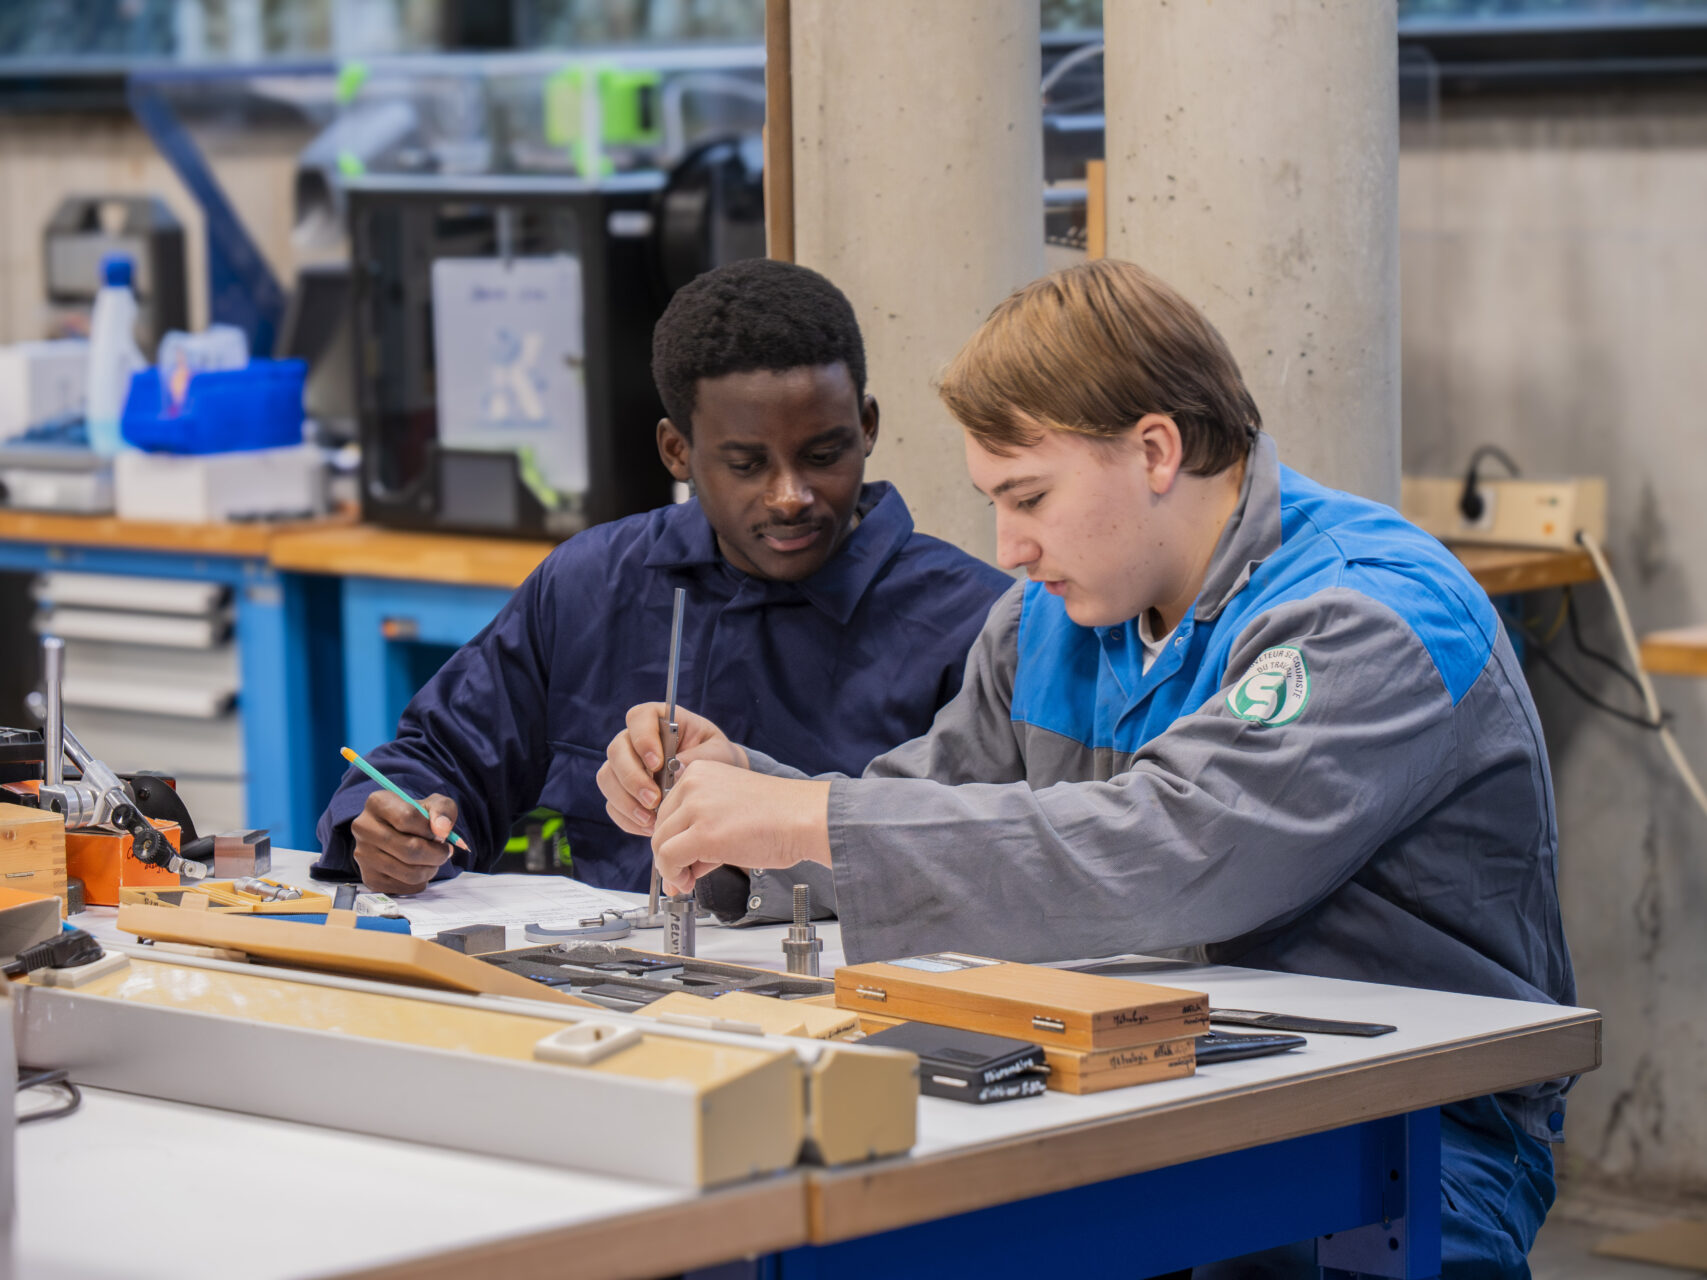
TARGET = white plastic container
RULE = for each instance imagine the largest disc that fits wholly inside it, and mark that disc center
(42, 381)
(113, 354)
(204, 488)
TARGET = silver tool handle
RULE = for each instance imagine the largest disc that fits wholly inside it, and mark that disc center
(53, 714)
(675, 655)
(670, 736)
(95, 772)
(665, 778)
(100, 799)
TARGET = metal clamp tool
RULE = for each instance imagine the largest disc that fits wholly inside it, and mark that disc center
(99, 798)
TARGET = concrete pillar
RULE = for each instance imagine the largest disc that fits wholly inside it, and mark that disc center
(918, 188)
(1253, 154)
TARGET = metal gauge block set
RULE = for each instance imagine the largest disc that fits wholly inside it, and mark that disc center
(622, 978)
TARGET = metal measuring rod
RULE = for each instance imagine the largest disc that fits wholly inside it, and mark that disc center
(680, 907)
(256, 887)
(99, 798)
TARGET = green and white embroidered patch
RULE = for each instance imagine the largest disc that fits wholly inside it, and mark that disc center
(1274, 690)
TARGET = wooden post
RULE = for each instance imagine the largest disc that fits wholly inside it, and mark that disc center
(779, 131)
(1096, 208)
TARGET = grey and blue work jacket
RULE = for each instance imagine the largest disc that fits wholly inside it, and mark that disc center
(1334, 768)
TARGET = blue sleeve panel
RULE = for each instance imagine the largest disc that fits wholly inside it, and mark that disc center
(1088, 684)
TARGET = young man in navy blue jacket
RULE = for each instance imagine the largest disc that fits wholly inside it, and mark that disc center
(819, 626)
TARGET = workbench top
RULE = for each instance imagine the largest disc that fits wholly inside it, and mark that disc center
(428, 1212)
(339, 546)
(1505, 570)
(236, 539)
(1679, 652)
(368, 551)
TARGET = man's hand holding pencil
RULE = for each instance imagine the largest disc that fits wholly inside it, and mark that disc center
(400, 842)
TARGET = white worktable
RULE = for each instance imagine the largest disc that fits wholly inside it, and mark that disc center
(295, 1201)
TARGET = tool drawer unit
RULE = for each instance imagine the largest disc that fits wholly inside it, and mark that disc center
(151, 680)
(187, 653)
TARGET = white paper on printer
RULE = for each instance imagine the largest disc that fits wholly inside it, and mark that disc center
(553, 901)
(507, 336)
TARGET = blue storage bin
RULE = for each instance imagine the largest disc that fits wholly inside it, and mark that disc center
(226, 410)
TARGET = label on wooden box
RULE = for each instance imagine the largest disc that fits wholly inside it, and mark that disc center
(1094, 1070)
(1051, 1007)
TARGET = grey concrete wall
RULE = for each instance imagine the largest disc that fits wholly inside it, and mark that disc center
(918, 178)
(1252, 151)
(1554, 257)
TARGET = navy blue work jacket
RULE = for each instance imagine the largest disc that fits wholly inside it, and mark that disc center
(824, 674)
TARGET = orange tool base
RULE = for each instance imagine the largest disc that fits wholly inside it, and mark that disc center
(102, 861)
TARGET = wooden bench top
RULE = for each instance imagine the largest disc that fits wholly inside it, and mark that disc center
(1679, 652)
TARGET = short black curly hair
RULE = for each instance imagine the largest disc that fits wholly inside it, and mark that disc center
(754, 314)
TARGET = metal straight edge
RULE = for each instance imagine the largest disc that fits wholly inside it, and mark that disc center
(599, 1122)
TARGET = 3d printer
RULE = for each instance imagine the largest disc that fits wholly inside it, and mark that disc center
(503, 335)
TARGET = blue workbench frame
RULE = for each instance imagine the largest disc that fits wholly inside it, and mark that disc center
(287, 642)
(382, 618)
(1368, 1194)
(324, 661)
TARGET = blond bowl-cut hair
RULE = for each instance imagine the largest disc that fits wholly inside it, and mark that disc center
(1091, 350)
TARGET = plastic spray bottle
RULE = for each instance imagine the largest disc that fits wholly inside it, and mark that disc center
(113, 354)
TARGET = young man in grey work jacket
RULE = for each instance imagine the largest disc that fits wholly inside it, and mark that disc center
(1231, 708)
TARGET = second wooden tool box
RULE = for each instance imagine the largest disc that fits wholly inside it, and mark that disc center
(1056, 1008)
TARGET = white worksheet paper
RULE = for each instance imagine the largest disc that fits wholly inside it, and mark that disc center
(554, 901)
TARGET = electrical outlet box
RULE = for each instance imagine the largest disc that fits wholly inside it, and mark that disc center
(1545, 514)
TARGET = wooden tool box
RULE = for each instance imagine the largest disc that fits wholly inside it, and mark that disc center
(1056, 1008)
(1093, 1070)
(32, 850)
